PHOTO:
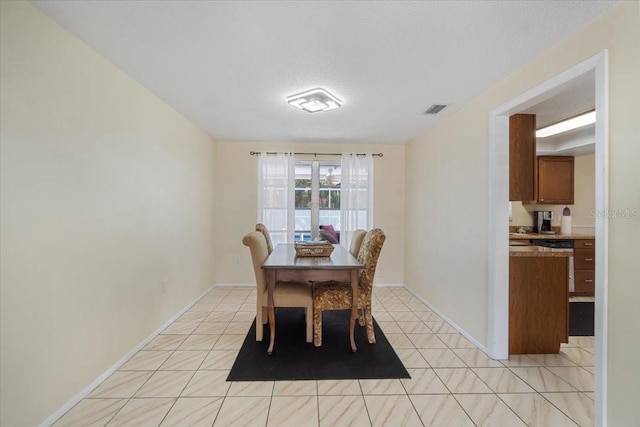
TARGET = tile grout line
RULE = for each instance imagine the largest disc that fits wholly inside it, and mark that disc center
(397, 301)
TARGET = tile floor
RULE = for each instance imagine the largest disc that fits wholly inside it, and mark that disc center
(179, 378)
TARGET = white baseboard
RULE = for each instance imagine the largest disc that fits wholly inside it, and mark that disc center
(451, 323)
(85, 392)
(239, 285)
(88, 389)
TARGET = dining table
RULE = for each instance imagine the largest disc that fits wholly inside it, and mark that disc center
(284, 265)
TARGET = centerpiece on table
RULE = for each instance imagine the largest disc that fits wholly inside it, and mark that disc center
(314, 248)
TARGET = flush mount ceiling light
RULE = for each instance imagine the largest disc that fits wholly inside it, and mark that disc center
(314, 100)
(567, 125)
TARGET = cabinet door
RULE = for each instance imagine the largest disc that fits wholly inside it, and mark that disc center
(585, 259)
(585, 282)
(522, 157)
(555, 180)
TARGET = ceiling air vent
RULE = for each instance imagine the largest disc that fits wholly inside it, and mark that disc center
(435, 109)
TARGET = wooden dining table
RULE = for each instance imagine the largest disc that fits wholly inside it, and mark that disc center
(283, 265)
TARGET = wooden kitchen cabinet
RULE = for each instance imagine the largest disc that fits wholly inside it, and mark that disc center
(584, 256)
(538, 180)
(538, 304)
(522, 157)
(555, 177)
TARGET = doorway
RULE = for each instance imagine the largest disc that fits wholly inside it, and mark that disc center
(498, 264)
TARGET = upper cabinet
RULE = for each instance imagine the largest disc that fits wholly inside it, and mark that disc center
(536, 180)
(555, 180)
(522, 157)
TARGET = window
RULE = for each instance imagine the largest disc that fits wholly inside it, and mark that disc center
(317, 197)
(296, 197)
(275, 195)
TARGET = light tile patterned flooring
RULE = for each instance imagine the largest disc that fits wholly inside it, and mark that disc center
(179, 378)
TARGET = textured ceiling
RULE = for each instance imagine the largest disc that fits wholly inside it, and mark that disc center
(576, 96)
(229, 66)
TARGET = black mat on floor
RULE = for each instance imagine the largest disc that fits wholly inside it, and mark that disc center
(580, 319)
(294, 359)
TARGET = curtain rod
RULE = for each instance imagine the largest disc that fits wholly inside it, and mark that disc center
(257, 153)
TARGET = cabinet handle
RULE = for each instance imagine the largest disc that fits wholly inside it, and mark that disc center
(588, 259)
(588, 244)
(588, 281)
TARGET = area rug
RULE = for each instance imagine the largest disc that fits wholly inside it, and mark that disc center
(295, 359)
(581, 317)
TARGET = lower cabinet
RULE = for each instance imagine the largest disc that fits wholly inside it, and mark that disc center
(538, 304)
(584, 255)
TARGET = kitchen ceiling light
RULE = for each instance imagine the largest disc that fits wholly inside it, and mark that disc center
(314, 100)
(567, 125)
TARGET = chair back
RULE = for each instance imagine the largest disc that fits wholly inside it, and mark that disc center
(265, 231)
(258, 246)
(356, 241)
(368, 256)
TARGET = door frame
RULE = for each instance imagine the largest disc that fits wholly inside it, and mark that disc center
(498, 234)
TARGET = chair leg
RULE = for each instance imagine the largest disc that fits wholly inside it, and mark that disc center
(317, 327)
(361, 317)
(371, 336)
(308, 318)
(259, 323)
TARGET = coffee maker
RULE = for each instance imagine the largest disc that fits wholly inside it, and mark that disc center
(542, 222)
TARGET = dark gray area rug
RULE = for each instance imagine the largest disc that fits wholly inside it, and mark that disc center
(294, 359)
(581, 319)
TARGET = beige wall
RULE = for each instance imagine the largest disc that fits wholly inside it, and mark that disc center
(582, 210)
(447, 173)
(106, 191)
(237, 204)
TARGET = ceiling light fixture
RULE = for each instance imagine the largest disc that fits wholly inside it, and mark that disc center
(567, 125)
(314, 100)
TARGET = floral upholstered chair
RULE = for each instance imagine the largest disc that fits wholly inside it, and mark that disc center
(337, 295)
(265, 231)
(286, 294)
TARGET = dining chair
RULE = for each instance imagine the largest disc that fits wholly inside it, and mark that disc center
(286, 294)
(338, 295)
(354, 249)
(356, 241)
(265, 231)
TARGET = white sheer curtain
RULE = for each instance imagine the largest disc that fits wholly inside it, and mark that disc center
(356, 195)
(276, 195)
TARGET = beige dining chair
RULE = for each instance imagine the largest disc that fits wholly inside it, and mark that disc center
(286, 294)
(356, 241)
(265, 231)
(338, 295)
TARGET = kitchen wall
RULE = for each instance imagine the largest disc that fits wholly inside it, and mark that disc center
(447, 173)
(106, 191)
(237, 209)
(582, 211)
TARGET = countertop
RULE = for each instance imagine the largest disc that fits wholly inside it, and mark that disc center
(527, 236)
(539, 251)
